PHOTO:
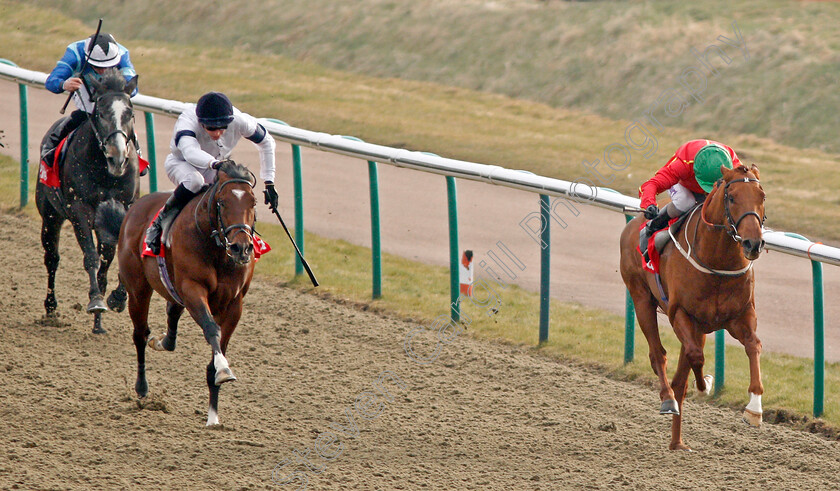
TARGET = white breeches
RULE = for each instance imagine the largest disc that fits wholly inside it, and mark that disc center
(682, 198)
(182, 172)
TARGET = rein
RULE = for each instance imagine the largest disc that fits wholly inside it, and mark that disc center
(220, 232)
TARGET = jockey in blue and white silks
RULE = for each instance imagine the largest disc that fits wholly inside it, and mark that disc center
(67, 76)
(107, 53)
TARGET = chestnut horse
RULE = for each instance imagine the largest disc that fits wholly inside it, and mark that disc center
(707, 282)
(210, 260)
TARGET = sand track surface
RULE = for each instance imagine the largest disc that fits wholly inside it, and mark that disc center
(480, 416)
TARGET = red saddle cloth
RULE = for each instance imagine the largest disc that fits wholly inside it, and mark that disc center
(653, 254)
(260, 246)
(49, 175)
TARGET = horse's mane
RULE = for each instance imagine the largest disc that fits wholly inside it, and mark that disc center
(113, 80)
(236, 171)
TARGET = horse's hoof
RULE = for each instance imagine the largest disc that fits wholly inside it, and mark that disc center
(99, 330)
(680, 446)
(116, 302)
(96, 306)
(141, 388)
(710, 382)
(669, 407)
(154, 343)
(224, 375)
(752, 418)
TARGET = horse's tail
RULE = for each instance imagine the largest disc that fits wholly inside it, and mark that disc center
(109, 218)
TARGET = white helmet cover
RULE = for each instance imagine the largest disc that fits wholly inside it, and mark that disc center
(105, 53)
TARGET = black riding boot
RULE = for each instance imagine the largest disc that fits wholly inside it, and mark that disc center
(179, 199)
(60, 132)
(657, 223)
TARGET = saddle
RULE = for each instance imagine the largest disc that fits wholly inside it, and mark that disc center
(661, 238)
(50, 172)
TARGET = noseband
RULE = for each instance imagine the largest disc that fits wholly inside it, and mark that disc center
(731, 225)
(103, 141)
(220, 231)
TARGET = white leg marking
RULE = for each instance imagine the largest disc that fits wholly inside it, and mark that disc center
(212, 417)
(220, 362)
(755, 403)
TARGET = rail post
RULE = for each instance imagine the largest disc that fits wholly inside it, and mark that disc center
(150, 148)
(297, 179)
(545, 267)
(24, 140)
(375, 227)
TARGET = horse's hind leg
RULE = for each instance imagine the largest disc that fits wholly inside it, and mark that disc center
(680, 385)
(50, 235)
(117, 299)
(138, 309)
(173, 314)
(645, 306)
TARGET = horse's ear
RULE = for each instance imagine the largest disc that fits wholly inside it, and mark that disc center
(754, 170)
(131, 86)
(725, 172)
(96, 86)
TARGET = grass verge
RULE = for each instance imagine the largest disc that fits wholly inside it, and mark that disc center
(419, 293)
(453, 122)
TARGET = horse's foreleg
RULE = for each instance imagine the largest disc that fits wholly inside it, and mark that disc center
(744, 331)
(50, 235)
(212, 333)
(82, 228)
(680, 385)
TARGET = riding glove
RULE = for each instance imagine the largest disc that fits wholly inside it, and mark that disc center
(651, 212)
(270, 195)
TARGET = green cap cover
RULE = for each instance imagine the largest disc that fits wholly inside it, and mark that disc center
(707, 165)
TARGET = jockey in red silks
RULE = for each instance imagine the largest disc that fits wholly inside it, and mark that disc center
(688, 176)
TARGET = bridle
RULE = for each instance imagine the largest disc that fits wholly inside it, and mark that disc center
(220, 231)
(731, 228)
(731, 225)
(103, 141)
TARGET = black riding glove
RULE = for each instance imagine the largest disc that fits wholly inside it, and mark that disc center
(270, 195)
(651, 212)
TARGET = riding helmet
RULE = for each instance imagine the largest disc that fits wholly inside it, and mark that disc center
(707, 165)
(105, 53)
(214, 109)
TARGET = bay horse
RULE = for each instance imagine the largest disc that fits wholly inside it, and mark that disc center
(707, 285)
(209, 258)
(99, 179)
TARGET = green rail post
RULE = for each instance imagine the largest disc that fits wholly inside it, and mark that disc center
(150, 148)
(375, 227)
(629, 320)
(819, 339)
(819, 332)
(545, 267)
(297, 178)
(454, 271)
(24, 140)
(720, 361)
(375, 232)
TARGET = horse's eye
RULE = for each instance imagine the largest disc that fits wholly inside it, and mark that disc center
(731, 199)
